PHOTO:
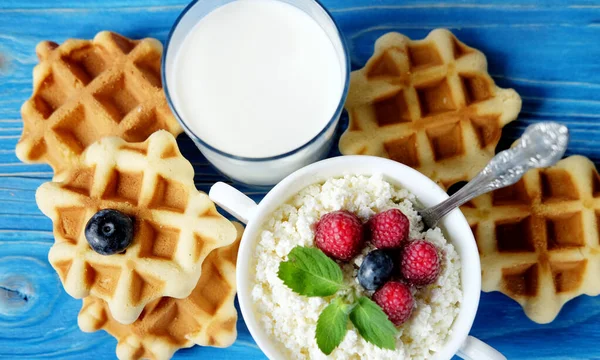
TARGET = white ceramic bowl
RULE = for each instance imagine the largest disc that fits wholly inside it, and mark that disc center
(454, 226)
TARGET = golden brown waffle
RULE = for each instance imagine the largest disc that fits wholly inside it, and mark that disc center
(207, 317)
(429, 104)
(84, 90)
(539, 239)
(176, 226)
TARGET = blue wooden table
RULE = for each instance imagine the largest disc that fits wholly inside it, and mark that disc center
(550, 53)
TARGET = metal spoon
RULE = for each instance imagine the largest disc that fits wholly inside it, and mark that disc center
(541, 145)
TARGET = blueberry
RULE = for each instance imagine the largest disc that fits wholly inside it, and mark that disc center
(109, 232)
(375, 270)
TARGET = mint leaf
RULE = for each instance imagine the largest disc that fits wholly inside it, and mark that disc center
(373, 324)
(332, 326)
(310, 272)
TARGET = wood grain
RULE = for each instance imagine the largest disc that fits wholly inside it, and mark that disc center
(548, 51)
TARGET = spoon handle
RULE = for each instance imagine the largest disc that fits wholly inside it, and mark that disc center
(541, 145)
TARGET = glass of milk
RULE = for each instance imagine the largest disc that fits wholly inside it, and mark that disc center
(258, 85)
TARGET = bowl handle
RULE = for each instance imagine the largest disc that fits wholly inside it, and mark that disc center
(475, 349)
(233, 201)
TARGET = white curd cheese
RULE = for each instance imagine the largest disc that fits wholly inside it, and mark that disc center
(291, 319)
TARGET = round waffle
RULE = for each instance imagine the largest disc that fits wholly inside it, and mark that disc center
(429, 104)
(176, 226)
(539, 240)
(207, 317)
(84, 90)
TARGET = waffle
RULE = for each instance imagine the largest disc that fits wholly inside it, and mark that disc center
(539, 239)
(207, 317)
(175, 225)
(429, 104)
(84, 90)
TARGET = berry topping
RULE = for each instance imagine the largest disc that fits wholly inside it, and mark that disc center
(396, 301)
(388, 229)
(375, 270)
(339, 234)
(109, 232)
(420, 262)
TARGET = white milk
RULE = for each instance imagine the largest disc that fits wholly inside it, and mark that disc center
(257, 78)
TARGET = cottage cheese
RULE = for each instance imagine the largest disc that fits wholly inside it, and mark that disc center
(291, 318)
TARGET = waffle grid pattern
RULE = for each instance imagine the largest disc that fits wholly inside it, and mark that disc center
(176, 226)
(85, 90)
(539, 240)
(207, 317)
(429, 104)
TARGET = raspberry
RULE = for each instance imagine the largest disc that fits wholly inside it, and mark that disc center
(420, 262)
(396, 301)
(388, 229)
(339, 234)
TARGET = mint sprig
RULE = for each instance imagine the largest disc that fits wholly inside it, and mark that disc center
(332, 326)
(373, 324)
(309, 272)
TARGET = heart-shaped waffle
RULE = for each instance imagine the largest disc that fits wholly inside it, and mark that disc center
(207, 317)
(539, 240)
(175, 225)
(85, 90)
(429, 104)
